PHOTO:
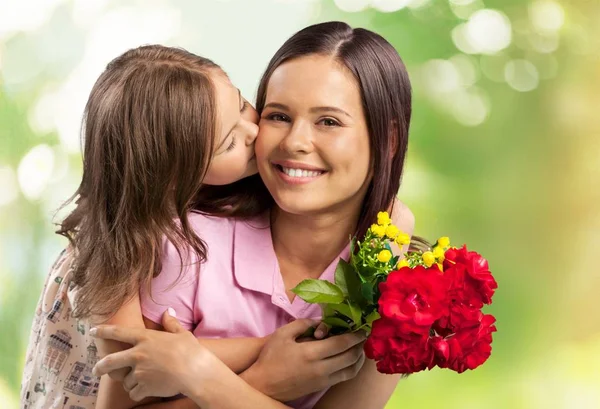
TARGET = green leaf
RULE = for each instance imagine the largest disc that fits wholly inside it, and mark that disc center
(368, 271)
(336, 322)
(372, 317)
(364, 327)
(355, 311)
(319, 291)
(347, 274)
(342, 308)
(367, 291)
(340, 275)
(347, 309)
(394, 261)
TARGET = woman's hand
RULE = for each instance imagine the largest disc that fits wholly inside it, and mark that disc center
(163, 363)
(287, 369)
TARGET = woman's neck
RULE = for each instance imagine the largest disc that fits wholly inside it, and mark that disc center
(306, 245)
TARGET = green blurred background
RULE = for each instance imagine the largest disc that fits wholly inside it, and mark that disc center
(504, 155)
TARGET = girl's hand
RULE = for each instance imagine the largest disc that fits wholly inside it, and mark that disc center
(287, 369)
(163, 363)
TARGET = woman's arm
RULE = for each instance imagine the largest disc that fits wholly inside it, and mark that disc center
(238, 354)
(183, 367)
(369, 389)
(165, 364)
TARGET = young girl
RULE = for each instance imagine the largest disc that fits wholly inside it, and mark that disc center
(335, 106)
(161, 125)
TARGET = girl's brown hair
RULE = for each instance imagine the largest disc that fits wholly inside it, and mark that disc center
(149, 128)
(386, 98)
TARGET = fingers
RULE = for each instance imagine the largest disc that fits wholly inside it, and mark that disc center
(138, 393)
(119, 374)
(321, 331)
(348, 372)
(343, 360)
(336, 345)
(128, 335)
(297, 328)
(170, 322)
(129, 382)
(113, 362)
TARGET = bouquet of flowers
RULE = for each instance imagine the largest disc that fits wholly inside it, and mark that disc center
(421, 311)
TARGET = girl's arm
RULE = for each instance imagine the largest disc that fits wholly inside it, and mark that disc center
(404, 219)
(238, 354)
(111, 394)
(173, 362)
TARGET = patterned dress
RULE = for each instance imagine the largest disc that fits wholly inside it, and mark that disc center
(61, 354)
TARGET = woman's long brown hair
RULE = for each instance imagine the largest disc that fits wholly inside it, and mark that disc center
(149, 127)
(386, 98)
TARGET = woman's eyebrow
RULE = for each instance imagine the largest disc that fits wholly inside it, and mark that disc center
(330, 109)
(277, 105)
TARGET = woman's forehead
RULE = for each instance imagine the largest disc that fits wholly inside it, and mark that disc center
(314, 79)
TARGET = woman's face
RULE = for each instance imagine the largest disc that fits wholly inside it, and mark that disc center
(233, 156)
(313, 150)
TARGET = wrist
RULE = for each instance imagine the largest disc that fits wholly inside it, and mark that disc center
(253, 378)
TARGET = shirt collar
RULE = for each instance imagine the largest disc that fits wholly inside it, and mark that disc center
(254, 261)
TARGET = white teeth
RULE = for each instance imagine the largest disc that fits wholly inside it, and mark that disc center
(301, 173)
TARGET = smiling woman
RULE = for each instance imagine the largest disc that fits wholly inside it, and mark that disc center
(335, 100)
(313, 121)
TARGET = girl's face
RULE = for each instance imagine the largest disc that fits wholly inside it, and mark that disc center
(233, 156)
(313, 151)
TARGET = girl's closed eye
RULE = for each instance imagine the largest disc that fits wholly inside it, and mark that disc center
(245, 106)
(231, 145)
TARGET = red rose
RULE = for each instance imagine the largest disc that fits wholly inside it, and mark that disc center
(459, 316)
(396, 352)
(414, 298)
(476, 277)
(468, 348)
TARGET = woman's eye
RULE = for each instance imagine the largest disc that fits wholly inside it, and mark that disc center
(329, 122)
(277, 118)
(245, 106)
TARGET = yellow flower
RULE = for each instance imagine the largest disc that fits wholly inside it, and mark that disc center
(383, 218)
(391, 231)
(428, 258)
(402, 263)
(384, 256)
(377, 230)
(438, 253)
(443, 242)
(402, 239)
